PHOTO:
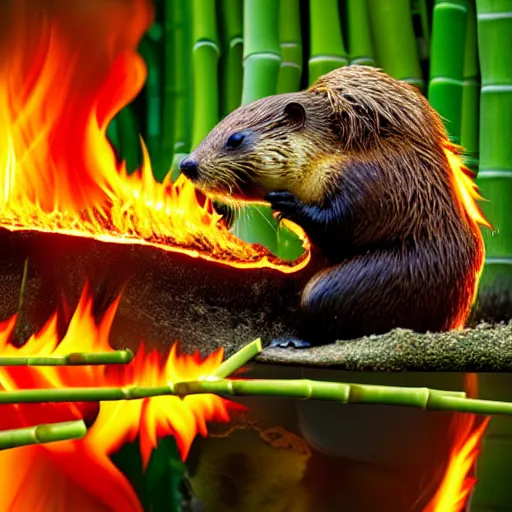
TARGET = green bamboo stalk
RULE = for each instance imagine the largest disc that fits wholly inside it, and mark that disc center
(262, 60)
(76, 359)
(237, 360)
(262, 53)
(494, 21)
(360, 46)
(176, 126)
(232, 56)
(128, 132)
(494, 18)
(299, 389)
(148, 50)
(303, 389)
(290, 39)
(394, 41)
(449, 24)
(327, 50)
(470, 94)
(42, 434)
(205, 61)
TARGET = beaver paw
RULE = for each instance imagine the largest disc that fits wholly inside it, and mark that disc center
(289, 343)
(285, 203)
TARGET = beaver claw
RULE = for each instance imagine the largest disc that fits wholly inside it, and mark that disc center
(289, 343)
(285, 203)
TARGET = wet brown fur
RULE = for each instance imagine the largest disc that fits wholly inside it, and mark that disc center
(366, 161)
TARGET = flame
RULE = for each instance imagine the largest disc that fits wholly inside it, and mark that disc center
(62, 83)
(466, 189)
(458, 482)
(70, 464)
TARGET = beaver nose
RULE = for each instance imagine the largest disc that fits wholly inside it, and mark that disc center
(189, 168)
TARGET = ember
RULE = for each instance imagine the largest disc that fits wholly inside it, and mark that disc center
(69, 464)
(64, 84)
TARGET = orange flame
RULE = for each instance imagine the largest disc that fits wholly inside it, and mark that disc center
(115, 423)
(466, 189)
(457, 482)
(63, 80)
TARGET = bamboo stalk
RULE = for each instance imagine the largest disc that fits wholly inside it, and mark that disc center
(327, 48)
(205, 61)
(262, 60)
(237, 360)
(303, 389)
(394, 40)
(494, 18)
(290, 40)
(148, 50)
(360, 46)
(128, 132)
(262, 53)
(76, 359)
(42, 434)
(176, 126)
(232, 56)
(449, 24)
(494, 22)
(470, 94)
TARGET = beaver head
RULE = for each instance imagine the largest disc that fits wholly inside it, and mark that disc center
(299, 142)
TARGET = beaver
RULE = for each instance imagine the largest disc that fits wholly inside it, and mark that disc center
(364, 165)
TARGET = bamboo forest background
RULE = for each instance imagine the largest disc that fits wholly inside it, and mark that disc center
(206, 57)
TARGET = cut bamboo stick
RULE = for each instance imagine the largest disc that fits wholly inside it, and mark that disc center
(76, 359)
(42, 434)
(237, 360)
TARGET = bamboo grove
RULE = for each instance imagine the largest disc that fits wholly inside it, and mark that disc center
(206, 57)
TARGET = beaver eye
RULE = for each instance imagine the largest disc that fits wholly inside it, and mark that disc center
(235, 140)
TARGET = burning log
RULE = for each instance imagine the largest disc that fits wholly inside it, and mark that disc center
(166, 296)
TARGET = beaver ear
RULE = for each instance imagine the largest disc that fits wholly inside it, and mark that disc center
(296, 113)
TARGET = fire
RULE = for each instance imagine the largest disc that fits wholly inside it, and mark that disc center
(84, 465)
(457, 482)
(466, 189)
(62, 83)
